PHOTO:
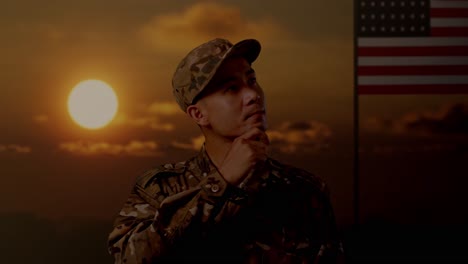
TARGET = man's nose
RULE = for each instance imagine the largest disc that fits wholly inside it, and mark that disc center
(252, 95)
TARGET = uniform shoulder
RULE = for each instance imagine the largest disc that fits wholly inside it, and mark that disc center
(298, 175)
(168, 170)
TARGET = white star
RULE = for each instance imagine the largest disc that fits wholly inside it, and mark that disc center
(372, 16)
(412, 16)
(382, 29)
(372, 3)
(412, 28)
(392, 29)
(422, 3)
(402, 3)
(382, 16)
(412, 3)
(422, 16)
(373, 28)
(402, 16)
(363, 29)
(363, 16)
(382, 3)
(422, 28)
(392, 3)
(363, 3)
(402, 28)
(392, 16)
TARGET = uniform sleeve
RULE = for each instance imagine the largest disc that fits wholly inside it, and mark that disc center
(150, 225)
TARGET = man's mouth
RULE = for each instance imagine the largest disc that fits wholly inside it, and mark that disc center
(258, 112)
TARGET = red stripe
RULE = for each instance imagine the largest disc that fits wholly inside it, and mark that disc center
(449, 31)
(449, 12)
(413, 70)
(413, 51)
(413, 89)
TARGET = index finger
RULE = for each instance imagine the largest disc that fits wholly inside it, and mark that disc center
(256, 134)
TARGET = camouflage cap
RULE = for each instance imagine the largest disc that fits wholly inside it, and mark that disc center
(195, 71)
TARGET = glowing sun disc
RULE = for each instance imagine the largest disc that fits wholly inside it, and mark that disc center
(92, 104)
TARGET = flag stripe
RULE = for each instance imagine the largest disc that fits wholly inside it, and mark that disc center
(412, 42)
(411, 61)
(414, 79)
(449, 4)
(413, 89)
(413, 51)
(449, 22)
(449, 31)
(449, 12)
(413, 70)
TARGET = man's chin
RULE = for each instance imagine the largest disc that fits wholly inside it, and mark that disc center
(261, 125)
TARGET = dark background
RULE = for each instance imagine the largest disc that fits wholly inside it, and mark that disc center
(57, 205)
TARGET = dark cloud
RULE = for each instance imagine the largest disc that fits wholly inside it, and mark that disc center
(458, 149)
(300, 126)
(451, 120)
(202, 21)
(301, 136)
(448, 120)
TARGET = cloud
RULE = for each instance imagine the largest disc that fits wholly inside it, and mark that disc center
(150, 122)
(289, 137)
(149, 116)
(15, 148)
(195, 143)
(40, 119)
(450, 119)
(202, 21)
(303, 136)
(133, 148)
(163, 108)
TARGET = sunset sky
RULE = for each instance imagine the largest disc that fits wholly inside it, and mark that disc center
(414, 147)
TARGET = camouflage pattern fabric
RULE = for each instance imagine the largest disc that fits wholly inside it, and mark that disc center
(195, 71)
(187, 212)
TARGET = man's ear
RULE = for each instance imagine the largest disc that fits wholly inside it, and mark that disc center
(197, 114)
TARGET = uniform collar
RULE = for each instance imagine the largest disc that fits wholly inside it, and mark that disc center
(204, 162)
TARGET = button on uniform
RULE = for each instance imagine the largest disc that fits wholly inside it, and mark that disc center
(215, 188)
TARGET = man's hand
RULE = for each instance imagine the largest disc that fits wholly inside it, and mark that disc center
(247, 151)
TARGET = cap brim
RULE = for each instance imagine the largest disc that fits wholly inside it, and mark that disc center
(248, 48)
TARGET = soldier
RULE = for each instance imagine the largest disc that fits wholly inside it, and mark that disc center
(231, 202)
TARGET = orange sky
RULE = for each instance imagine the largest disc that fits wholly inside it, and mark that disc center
(56, 169)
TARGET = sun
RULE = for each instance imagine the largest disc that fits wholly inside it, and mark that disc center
(92, 104)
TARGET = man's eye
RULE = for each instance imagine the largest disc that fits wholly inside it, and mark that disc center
(252, 80)
(232, 88)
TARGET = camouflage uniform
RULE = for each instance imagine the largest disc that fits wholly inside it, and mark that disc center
(187, 211)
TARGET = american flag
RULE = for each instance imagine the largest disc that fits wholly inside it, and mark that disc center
(412, 46)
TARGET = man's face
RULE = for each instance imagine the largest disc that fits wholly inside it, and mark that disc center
(234, 102)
